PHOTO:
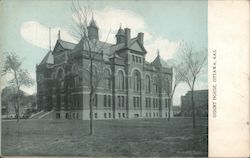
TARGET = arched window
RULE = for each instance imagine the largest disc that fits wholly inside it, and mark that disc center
(155, 85)
(137, 80)
(76, 75)
(107, 77)
(147, 84)
(120, 80)
(60, 74)
(166, 85)
(60, 77)
(94, 70)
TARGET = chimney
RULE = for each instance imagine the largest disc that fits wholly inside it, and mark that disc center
(140, 37)
(127, 36)
(59, 35)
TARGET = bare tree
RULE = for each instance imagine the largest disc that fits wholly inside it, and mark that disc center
(191, 62)
(92, 74)
(176, 79)
(21, 77)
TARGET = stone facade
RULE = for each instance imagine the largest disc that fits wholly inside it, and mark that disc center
(130, 87)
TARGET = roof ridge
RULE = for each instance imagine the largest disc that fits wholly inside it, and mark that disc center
(45, 58)
(66, 41)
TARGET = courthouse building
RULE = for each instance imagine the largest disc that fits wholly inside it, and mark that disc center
(130, 86)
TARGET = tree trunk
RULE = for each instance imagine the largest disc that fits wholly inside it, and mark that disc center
(17, 97)
(193, 106)
(17, 111)
(91, 131)
(169, 105)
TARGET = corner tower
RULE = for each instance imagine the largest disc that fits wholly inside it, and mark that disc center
(93, 30)
(120, 36)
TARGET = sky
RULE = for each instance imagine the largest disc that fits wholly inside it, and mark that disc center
(25, 28)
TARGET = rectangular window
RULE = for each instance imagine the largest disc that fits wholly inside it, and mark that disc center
(133, 58)
(96, 100)
(105, 115)
(149, 103)
(57, 115)
(138, 102)
(96, 115)
(139, 59)
(119, 115)
(62, 99)
(136, 59)
(109, 115)
(166, 103)
(119, 101)
(109, 101)
(123, 115)
(146, 114)
(122, 101)
(134, 102)
(153, 102)
(105, 100)
(78, 100)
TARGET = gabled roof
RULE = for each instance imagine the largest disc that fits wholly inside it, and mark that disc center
(120, 32)
(120, 46)
(96, 46)
(116, 47)
(159, 62)
(48, 59)
(133, 41)
(66, 45)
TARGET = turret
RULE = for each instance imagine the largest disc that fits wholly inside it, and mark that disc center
(93, 30)
(120, 36)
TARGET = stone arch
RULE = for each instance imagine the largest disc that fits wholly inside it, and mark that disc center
(60, 73)
(108, 69)
(75, 68)
(95, 67)
(121, 79)
(119, 69)
(107, 78)
(148, 83)
(134, 69)
(136, 77)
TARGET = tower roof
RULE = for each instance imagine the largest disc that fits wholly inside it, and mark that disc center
(120, 32)
(158, 61)
(93, 23)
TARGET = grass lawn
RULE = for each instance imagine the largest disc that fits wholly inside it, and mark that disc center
(154, 137)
